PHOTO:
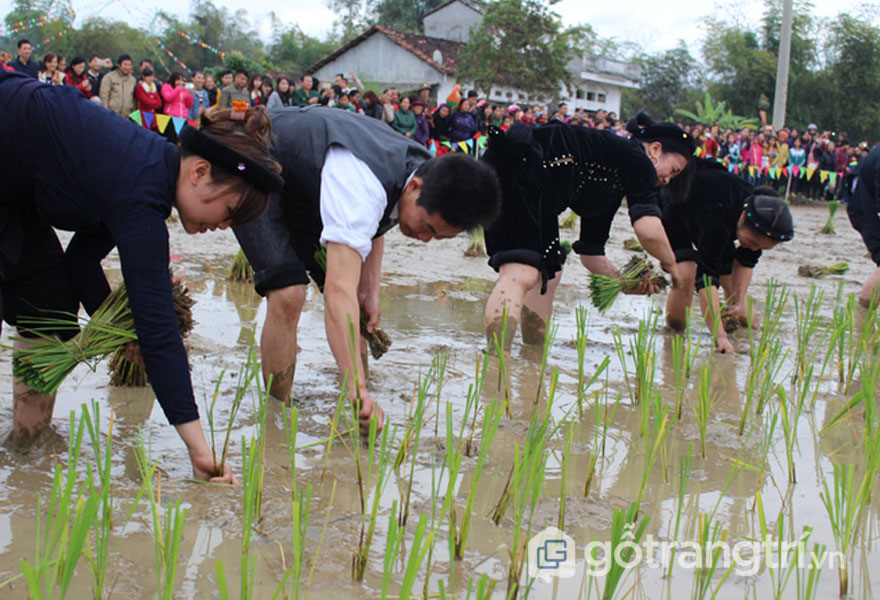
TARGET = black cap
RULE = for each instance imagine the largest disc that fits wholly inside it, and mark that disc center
(770, 216)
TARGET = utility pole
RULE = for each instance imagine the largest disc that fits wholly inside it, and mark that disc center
(781, 96)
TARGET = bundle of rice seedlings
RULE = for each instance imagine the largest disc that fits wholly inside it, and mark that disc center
(477, 247)
(838, 268)
(604, 289)
(633, 244)
(241, 269)
(833, 205)
(129, 371)
(46, 361)
(377, 340)
(569, 221)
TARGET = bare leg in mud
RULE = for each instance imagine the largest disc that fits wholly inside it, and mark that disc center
(31, 411)
(871, 290)
(679, 299)
(278, 340)
(514, 282)
(536, 311)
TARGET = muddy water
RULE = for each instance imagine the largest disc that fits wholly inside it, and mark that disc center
(433, 300)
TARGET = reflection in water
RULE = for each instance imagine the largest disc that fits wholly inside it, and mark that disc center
(425, 311)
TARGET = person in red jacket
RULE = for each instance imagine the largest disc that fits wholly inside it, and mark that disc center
(177, 98)
(76, 76)
(146, 95)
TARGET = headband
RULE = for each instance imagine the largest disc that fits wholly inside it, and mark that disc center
(230, 160)
(770, 216)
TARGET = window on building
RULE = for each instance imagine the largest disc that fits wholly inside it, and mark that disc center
(591, 96)
(579, 94)
(600, 98)
(510, 94)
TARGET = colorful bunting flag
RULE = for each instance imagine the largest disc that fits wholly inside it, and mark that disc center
(148, 118)
(796, 170)
(162, 122)
(179, 122)
(193, 123)
(136, 117)
(823, 175)
(832, 178)
(810, 173)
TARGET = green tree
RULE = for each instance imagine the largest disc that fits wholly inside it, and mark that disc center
(352, 18)
(294, 51)
(403, 15)
(670, 79)
(854, 69)
(520, 44)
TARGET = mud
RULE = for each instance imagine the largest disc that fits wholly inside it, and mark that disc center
(425, 311)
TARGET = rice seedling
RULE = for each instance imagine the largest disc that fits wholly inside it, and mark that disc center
(566, 450)
(833, 205)
(474, 392)
(484, 590)
(767, 355)
(378, 463)
(47, 361)
(627, 531)
(580, 341)
(438, 370)
(99, 555)
(421, 543)
(532, 462)
(62, 526)
(409, 446)
(633, 245)
(654, 443)
(167, 528)
(489, 425)
(705, 402)
(569, 221)
(526, 456)
(552, 330)
(810, 336)
(852, 337)
(842, 502)
(790, 417)
(501, 344)
(817, 272)
(241, 269)
(604, 289)
(712, 543)
(246, 376)
(301, 501)
(643, 349)
(477, 246)
(126, 367)
(605, 417)
(686, 464)
(807, 579)
(393, 540)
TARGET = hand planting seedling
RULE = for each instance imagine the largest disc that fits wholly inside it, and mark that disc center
(604, 289)
(838, 268)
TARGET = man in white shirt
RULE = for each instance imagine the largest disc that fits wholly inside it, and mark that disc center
(348, 180)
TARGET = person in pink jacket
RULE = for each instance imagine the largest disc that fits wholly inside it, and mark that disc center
(177, 98)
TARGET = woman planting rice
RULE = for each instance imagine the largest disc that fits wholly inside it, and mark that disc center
(73, 165)
(718, 235)
(543, 171)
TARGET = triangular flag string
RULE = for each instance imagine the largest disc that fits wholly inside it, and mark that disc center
(148, 118)
(136, 117)
(179, 122)
(162, 122)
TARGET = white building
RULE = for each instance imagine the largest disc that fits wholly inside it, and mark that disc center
(383, 57)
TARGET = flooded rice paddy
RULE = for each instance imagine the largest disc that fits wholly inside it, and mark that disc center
(432, 303)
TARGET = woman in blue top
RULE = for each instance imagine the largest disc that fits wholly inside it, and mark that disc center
(70, 164)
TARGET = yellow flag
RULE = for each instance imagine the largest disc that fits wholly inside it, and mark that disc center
(463, 146)
(162, 122)
(823, 175)
(810, 173)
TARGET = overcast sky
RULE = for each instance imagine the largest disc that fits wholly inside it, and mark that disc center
(653, 25)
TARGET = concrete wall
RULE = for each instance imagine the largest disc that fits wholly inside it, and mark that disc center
(452, 22)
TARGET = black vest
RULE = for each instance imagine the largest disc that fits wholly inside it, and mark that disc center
(301, 137)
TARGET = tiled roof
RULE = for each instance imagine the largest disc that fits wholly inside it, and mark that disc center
(420, 45)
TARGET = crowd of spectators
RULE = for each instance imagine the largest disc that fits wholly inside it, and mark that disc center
(814, 164)
(818, 165)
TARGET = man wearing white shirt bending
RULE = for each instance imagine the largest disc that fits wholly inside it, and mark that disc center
(348, 180)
